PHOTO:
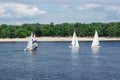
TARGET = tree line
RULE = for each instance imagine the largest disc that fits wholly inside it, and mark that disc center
(111, 29)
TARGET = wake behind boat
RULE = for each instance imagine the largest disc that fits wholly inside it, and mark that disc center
(74, 43)
(32, 43)
(95, 42)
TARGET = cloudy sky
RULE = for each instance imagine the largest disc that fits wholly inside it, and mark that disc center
(58, 11)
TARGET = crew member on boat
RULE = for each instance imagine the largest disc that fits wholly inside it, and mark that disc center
(35, 44)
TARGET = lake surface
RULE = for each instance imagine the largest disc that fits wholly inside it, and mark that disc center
(56, 61)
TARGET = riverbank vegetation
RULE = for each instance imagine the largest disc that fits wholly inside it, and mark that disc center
(60, 30)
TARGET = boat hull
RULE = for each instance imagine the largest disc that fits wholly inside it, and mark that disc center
(73, 46)
(29, 49)
(95, 46)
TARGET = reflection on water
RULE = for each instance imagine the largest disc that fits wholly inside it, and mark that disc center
(55, 61)
(74, 50)
(31, 64)
(74, 54)
(32, 52)
(74, 57)
(95, 50)
(95, 56)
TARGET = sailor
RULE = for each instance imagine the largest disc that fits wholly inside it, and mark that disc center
(35, 44)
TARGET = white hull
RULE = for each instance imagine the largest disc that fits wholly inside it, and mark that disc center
(29, 49)
(73, 46)
(95, 46)
(26, 49)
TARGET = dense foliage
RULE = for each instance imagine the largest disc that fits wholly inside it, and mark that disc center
(65, 29)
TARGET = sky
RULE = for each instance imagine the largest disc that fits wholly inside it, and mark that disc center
(58, 11)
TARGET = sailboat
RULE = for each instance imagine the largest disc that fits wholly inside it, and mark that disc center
(95, 42)
(32, 43)
(74, 43)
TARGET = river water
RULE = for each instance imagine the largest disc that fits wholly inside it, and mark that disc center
(56, 61)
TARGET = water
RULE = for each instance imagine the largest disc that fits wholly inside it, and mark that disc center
(55, 61)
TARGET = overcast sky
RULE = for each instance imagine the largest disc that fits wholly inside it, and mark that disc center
(58, 11)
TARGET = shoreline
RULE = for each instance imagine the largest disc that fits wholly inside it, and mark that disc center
(58, 39)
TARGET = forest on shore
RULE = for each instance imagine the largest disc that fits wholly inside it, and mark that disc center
(111, 29)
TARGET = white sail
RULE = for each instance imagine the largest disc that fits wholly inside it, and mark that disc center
(95, 42)
(33, 37)
(77, 44)
(74, 43)
(32, 44)
(73, 38)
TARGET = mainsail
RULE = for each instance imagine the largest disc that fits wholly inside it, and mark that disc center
(32, 43)
(74, 42)
(95, 42)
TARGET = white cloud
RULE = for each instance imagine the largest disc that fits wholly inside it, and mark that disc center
(60, 2)
(80, 8)
(92, 6)
(115, 9)
(113, 12)
(15, 10)
(110, 11)
(59, 11)
(99, 7)
(65, 6)
(89, 7)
